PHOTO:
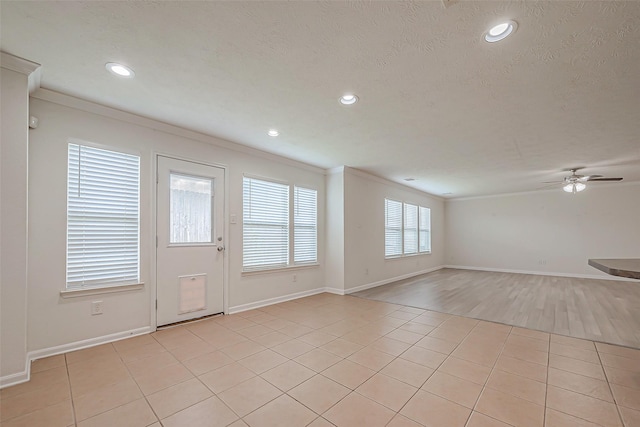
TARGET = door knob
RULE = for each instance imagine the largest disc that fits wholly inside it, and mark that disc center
(220, 248)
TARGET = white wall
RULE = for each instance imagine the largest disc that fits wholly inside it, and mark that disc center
(545, 232)
(335, 229)
(13, 216)
(55, 321)
(365, 264)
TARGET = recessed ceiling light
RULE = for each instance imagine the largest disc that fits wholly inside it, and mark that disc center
(447, 194)
(273, 133)
(500, 31)
(348, 99)
(409, 179)
(120, 70)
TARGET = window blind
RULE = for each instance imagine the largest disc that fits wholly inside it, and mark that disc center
(392, 228)
(265, 228)
(190, 209)
(305, 225)
(410, 229)
(103, 193)
(425, 229)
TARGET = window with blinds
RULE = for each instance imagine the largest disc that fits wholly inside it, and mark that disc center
(305, 225)
(268, 208)
(265, 224)
(407, 229)
(425, 229)
(392, 228)
(103, 218)
(410, 229)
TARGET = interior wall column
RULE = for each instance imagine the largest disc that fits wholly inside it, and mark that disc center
(17, 75)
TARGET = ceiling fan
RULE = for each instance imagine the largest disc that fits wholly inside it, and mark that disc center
(575, 183)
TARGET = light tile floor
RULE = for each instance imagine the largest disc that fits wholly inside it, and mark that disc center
(332, 360)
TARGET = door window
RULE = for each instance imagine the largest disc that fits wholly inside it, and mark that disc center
(190, 209)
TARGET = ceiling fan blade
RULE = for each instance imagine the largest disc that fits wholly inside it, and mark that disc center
(605, 179)
(589, 177)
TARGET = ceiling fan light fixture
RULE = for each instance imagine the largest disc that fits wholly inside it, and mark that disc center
(574, 187)
(500, 31)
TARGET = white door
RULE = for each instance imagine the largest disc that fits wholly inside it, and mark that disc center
(190, 246)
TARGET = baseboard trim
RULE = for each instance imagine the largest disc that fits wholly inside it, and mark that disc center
(539, 273)
(22, 377)
(391, 280)
(14, 379)
(335, 291)
(275, 300)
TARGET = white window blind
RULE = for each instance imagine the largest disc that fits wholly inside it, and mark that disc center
(392, 228)
(103, 194)
(265, 221)
(407, 229)
(190, 209)
(425, 229)
(305, 225)
(410, 229)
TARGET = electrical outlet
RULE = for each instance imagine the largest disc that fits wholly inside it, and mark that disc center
(366, 271)
(96, 307)
(295, 278)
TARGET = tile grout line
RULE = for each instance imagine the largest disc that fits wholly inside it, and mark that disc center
(546, 384)
(136, 382)
(107, 385)
(484, 385)
(434, 371)
(417, 388)
(241, 418)
(607, 381)
(73, 407)
(613, 396)
(286, 393)
(354, 390)
(340, 315)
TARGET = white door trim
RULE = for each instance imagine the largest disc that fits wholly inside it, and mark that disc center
(154, 230)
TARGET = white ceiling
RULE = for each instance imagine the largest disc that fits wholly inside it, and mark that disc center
(437, 103)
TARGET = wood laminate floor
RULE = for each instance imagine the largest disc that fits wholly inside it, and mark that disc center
(599, 310)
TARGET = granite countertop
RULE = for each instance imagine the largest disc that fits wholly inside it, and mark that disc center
(629, 267)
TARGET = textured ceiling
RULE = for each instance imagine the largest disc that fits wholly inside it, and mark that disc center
(437, 103)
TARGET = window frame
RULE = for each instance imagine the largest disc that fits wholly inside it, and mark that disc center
(408, 229)
(103, 286)
(211, 241)
(294, 203)
(388, 230)
(403, 229)
(291, 229)
(427, 230)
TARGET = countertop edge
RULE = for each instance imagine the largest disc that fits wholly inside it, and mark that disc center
(602, 265)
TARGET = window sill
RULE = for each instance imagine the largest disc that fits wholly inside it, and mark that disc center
(280, 269)
(406, 256)
(81, 292)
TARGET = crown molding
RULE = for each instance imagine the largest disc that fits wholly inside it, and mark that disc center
(125, 116)
(366, 175)
(23, 66)
(533, 192)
